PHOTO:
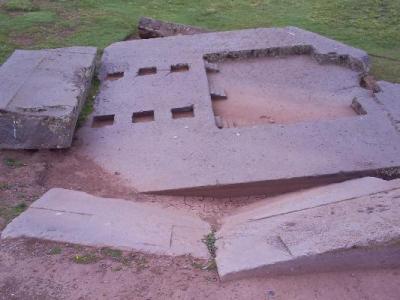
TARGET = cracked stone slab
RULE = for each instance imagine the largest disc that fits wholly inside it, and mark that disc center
(41, 95)
(353, 224)
(311, 121)
(77, 217)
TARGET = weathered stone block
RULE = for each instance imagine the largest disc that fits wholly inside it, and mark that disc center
(41, 95)
(150, 28)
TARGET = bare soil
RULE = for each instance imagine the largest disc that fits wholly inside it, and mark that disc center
(32, 269)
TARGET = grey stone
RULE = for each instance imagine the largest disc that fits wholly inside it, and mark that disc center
(389, 97)
(76, 217)
(342, 226)
(151, 28)
(211, 67)
(41, 95)
(305, 129)
(217, 93)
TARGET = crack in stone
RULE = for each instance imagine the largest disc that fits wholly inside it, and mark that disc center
(63, 211)
(280, 240)
(321, 205)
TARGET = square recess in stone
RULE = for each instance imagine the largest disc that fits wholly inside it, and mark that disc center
(143, 116)
(103, 120)
(147, 71)
(180, 68)
(183, 112)
(115, 76)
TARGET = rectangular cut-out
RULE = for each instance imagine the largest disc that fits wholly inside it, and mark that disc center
(180, 68)
(183, 112)
(275, 90)
(143, 116)
(115, 76)
(103, 120)
(147, 71)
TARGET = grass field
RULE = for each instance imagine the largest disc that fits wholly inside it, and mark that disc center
(373, 25)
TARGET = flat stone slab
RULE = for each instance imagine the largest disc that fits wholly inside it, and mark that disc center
(76, 217)
(354, 224)
(41, 95)
(309, 121)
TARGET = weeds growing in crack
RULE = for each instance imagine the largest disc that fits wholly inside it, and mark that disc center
(209, 240)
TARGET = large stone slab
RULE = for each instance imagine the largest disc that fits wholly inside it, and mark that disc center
(76, 217)
(354, 224)
(154, 119)
(41, 95)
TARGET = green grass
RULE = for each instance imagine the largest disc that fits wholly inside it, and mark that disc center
(88, 106)
(369, 24)
(54, 251)
(13, 163)
(85, 259)
(19, 5)
(11, 212)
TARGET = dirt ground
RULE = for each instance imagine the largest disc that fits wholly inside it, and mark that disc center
(32, 269)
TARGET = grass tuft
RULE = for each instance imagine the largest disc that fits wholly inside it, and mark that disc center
(85, 259)
(209, 240)
(87, 108)
(54, 251)
(19, 5)
(11, 212)
(13, 163)
(113, 253)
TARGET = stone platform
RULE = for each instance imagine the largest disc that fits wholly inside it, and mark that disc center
(343, 226)
(41, 95)
(289, 113)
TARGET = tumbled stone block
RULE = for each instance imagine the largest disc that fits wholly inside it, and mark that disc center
(76, 217)
(348, 225)
(41, 95)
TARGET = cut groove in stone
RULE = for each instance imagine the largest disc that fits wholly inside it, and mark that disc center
(183, 112)
(115, 76)
(147, 71)
(180, 68)
(103, 120)
(143, 116)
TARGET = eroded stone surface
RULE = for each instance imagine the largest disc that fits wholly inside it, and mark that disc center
(41, 95)
(76, 217)
(353, 224)
(313, 136)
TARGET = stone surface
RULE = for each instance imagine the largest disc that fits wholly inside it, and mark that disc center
(150, 28)
(353, 224)
(297, 126)
(41, 95)
(76, 217)
(389, 97)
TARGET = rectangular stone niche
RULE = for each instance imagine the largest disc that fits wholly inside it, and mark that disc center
(183, 112)
(143, 116)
